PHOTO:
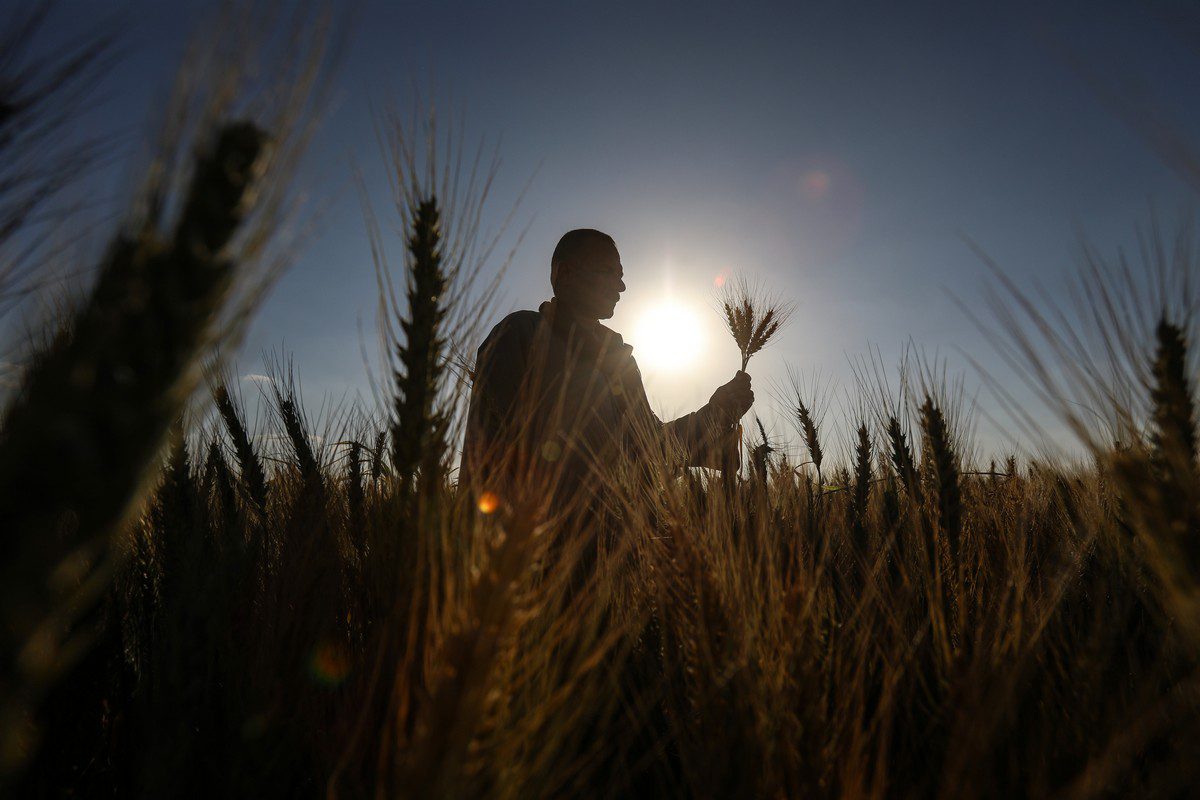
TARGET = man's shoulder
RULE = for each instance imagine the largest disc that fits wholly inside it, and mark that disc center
(517, 322)
(517, 326)
(612, 339)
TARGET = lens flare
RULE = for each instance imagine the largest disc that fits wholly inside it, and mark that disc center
(329, 663)
(815, 184)
(488, 502)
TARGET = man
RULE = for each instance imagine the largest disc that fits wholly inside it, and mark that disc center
(557, 397)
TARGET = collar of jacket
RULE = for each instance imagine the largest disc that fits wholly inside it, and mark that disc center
(590, 334)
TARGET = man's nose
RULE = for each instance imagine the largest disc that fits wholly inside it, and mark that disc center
(620, 285)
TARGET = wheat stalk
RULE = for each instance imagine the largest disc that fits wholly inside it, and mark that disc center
(752, 317)
(940, 463)
(902, 457)
(220, 488)
(354, 493)
(418, 428)
(84, 431)
(254, 478)
(1173, 417)
(811, 435)
(943, 472)
(862, 487)
(293, 426)
(377, 454)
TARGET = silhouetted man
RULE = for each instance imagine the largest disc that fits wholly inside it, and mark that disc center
(558, 397)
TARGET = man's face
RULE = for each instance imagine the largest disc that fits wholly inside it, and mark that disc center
(593, 285)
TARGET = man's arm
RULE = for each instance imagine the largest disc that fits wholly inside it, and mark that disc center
(704, 435)
(707, 434)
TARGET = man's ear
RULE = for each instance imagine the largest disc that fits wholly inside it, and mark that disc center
(555, 273)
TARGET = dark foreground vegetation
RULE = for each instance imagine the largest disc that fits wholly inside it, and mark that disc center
(193, 606)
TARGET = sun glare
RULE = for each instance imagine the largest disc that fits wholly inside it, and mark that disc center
(667, 338)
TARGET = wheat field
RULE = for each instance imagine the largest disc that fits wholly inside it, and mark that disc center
(196, 605)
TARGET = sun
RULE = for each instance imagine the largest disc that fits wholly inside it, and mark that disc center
(667, 337)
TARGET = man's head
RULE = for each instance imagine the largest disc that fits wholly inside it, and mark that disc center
(586, 273)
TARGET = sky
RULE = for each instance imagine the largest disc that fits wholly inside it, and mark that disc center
(843, 155)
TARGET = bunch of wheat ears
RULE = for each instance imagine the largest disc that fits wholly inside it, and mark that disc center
(753, 316)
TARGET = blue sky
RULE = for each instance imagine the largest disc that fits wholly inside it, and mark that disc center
(840, 153)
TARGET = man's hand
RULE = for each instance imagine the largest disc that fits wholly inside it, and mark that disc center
(734, 398)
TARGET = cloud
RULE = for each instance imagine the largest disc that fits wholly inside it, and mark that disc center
(254, 377)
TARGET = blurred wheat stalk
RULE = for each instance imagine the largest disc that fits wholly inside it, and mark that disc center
(80, 437)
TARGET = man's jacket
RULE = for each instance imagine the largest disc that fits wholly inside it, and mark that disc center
(562, 403)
